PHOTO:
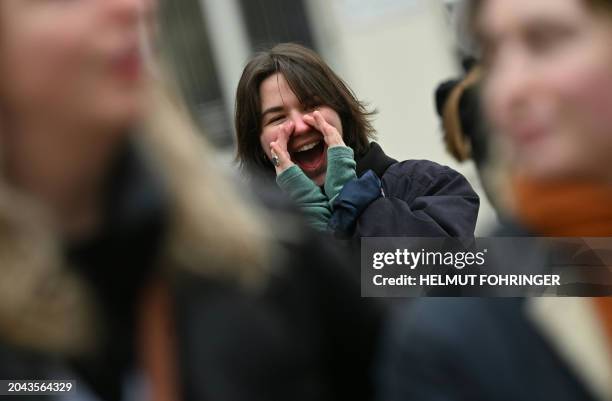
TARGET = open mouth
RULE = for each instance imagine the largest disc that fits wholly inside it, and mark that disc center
(309, 157)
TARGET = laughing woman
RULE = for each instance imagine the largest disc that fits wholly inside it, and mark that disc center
(296, 119)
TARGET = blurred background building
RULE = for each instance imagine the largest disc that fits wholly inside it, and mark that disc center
(393, 53)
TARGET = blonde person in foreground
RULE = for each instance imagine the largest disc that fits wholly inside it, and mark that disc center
(127, 262)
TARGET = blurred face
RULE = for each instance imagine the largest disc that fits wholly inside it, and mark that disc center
(279, 105)
(73, 59)
(548, 85)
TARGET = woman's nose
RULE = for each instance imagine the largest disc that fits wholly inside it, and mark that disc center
(300, 126)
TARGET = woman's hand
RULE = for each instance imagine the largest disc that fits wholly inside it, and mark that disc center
(331, 136)
(280, 156)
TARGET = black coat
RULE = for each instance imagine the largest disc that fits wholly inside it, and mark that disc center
(309, 336)
(472, 349)
(418, 198)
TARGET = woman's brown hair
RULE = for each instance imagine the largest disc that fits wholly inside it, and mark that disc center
(313, 82)
(457, 141)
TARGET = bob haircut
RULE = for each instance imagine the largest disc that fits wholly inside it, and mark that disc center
(314, 84)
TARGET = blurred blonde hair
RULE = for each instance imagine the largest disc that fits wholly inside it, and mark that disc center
(44, 305)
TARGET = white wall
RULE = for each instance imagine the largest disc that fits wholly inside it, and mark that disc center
(393, 53)
(229, 44)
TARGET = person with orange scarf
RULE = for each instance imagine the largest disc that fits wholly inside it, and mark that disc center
(546, 94)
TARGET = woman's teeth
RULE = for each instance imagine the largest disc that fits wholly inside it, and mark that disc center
(306, 147)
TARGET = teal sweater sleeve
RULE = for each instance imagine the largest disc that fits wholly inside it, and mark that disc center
(340, 170)
(308, 196)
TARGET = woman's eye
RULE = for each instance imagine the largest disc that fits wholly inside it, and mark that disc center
(276, 119)
(547, 39)
(541, 42)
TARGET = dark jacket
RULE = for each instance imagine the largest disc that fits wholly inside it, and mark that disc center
(472, 349)
(475, 349)
(309, 336)
(412, 198)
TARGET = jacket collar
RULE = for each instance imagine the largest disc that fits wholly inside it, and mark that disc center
(374, 159)
(135, 215)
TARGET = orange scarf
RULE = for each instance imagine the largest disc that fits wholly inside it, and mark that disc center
(568, 209)
(565, 209)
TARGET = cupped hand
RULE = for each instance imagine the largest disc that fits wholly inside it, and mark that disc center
(279, 150)
(331, 136)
